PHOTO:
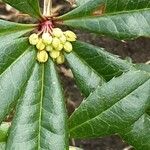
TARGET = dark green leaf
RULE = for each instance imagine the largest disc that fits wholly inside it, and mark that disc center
(138, 134)
(30, 7)
(40, 119)
(10, 30)
(105, 64)
(13, 79)
(87, 7)
(114, 108)
(86, 77)
(126, 25)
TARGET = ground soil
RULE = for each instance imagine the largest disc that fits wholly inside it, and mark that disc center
(138, 50)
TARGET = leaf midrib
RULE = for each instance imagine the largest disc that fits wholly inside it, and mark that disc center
(107, 108)
(41, 105)
(108, 14)
(102, 78)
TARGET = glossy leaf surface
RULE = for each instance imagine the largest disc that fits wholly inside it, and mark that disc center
(10, 30)
(88, 7)
(118, 106)
(40, 119)
(30, 7)
(128, 25)
(105, 64)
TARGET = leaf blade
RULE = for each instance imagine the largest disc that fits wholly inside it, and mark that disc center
(120, 26)
(48, 128)
(30, 7)
(121, 111)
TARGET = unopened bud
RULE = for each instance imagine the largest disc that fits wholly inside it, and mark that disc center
(49, 48)
(60, 59)
(60, 47)
(42, 56)
(47, 38)
(57, 32)
(40, 45)
(54, 54)
(55, 42)
(71, 36)
(63, 39)
(33, 39)
(68, 47)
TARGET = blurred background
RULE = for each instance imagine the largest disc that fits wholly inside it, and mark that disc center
(137, 50)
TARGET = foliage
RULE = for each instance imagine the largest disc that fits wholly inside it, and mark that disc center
(117, 92)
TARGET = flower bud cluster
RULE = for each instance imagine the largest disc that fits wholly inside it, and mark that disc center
(53, 44)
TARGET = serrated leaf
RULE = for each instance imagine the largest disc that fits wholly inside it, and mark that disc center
(30, 7)
(126, 25)
(102, 62)
(114, 108)
(85, 76)
(40, 119)
(4, 131)
(87, 7)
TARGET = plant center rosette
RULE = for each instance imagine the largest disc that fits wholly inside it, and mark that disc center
(52, 42)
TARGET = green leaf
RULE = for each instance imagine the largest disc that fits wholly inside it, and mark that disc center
(138, 134)
(30, 7)
(105, 64)
(85, 76)
(10, 51)
(87, 7)
(16, 62)
(4, 131)
(114, 108)
(40, 118)
(10, 30)
(126, 25)
(13, 77)
(144, 67)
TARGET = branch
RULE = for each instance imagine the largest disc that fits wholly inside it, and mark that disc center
(47, 10)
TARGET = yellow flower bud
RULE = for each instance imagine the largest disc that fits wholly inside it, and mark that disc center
(63, 39)
(60, 59)
(40, 45)
(57, 32)
(47, 38)
(71, 36)
(33, 39)
(68, 47)
(60, 47)
(49, 48)
(55, 42)
(54, 54)
(42, 56)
